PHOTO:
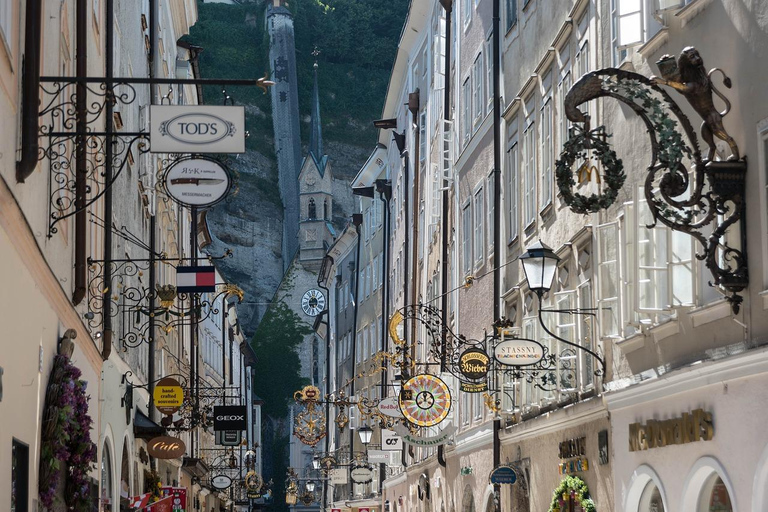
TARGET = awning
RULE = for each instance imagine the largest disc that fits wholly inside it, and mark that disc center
(195, 467)
(145, 428)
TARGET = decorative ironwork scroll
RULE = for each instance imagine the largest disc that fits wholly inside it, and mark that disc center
(704, 201)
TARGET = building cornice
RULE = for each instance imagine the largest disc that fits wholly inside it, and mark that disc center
(556, 421)
(691, 378)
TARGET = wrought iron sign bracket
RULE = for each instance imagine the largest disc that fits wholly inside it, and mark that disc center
(703, 203)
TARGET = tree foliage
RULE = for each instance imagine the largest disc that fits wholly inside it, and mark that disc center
(280, 333)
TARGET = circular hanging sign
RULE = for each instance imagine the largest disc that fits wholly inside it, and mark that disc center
(197, 181)
(519, 352)
(361, 475)
(390, 407)
(503, 475)
(253, 481)
(166, 447)
(473, 363)
(425, 400)
(221, 482)
(168, 395)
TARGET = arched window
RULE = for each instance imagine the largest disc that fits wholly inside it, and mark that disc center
(650, 500)
(312, 210)
(714, 496)
(325, 210)
(468, 501)
(106, 480)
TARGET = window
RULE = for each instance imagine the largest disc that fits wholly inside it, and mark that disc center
(466, 242)
(633, 22)
(477, 407)
(422, 137)
(529, 166)
(19, 477)
(608, 277)
(491, 206)
(359, 346)
(466, 121)
(547, 182)
(650, 500)
(511, 9)
(6, 22)
(714, 496)
(477, 90)
(375, 273)
(513, 183)
(467, 11)
(479, 241)
(464, 409)
(312, 210)
(563, 86)
(489, 74)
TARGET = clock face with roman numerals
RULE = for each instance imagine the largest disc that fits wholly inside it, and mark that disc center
(313, 302)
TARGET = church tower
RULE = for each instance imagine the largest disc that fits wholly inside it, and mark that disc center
(316, 231)
(285, 119)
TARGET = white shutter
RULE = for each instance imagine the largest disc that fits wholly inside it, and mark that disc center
(439, 55)
(609, 285)
(681, 269)
(435, 208)
(447, 153)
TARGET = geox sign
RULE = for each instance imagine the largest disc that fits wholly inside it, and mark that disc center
(229, 417)
(196, 129)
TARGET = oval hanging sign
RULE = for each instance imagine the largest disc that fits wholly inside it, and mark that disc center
(197, 182)
(503, 475)
(221, 482)
(473, 364)
(166, 447)
(168, 395)
(361, 475)
(390, 407)
(196, 129)
(519, 352)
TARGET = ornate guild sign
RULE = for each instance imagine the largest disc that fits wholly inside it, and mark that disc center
(168, 396)
(166, 447)
(473, 364)
(518, 352)
(197, 182)
(313, 302)
(253, 481)
(197, 129)
(221, 482)
(425, 400)
(361, 475)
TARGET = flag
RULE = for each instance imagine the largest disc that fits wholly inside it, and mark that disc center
(195, 279)
(139, 501)
(163, 505)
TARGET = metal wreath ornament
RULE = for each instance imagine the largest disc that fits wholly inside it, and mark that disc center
(704, 202)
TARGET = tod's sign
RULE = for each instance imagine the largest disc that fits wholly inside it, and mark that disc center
(196, 129)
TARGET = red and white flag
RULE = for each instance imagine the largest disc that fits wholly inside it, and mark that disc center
(139, 501)
(195, 279)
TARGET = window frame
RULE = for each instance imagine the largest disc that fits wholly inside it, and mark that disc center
(529, 160)
(478, 226)
(546, 141)
(513, 186)
(467, 237)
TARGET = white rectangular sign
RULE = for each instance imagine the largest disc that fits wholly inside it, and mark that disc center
(339, 476)
(390, 440)
(380, 457)
(196, 129)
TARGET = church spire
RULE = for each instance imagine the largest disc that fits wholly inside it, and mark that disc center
(316, 134)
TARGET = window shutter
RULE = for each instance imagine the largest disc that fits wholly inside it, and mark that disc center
(652, 283)
(681, 269)
(608, 301)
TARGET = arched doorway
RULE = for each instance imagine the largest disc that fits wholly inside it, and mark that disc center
(468, 500)
(125, 477)
(708, 488)
(106, 501)
(646, 492)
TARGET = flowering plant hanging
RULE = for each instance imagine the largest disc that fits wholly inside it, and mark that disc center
(66, 437)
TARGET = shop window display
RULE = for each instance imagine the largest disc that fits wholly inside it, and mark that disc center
(714, 496)
(651, 501)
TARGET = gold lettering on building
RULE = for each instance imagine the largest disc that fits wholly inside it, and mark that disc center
(688, 428)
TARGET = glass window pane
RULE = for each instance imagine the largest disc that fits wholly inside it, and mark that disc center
(630, 29)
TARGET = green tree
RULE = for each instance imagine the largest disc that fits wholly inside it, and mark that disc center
(280, 333)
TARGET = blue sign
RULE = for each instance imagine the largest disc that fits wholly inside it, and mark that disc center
(503, 475)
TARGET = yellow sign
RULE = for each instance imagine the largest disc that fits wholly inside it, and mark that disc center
(688, 428)
(168, 395)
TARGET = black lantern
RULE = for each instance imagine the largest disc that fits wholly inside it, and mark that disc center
(539, 264)
(316, 462)
(310, 486)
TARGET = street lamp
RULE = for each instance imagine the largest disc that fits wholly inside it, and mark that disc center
(316, 462)
(310, 486)
(539, 265)
(365, 434)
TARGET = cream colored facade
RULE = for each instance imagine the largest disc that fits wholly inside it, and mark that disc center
(39, 269)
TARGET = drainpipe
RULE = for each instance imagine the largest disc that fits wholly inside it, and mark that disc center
(496, 219)
(413, 107)
(81, 158)
(106, 348)
(30, 91)
(448, 6)
(357, 220)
